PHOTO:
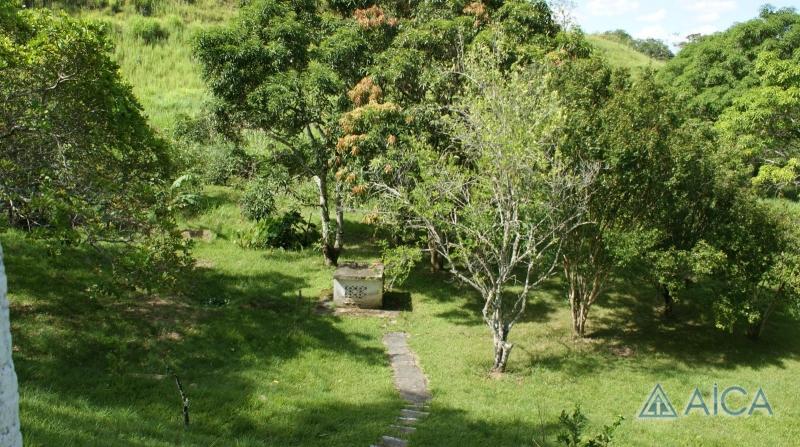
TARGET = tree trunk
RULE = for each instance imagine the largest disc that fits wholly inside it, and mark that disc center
(329, 249)
(10, 435)
(437, 263)
(502, 349)
(756, 328)
(582, 293)
(753, 331)
(339, 242)
(669, 301)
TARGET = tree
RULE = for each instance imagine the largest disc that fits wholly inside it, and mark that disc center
(498, 206)
(79, 162)
(77, 156)
(419, 71)
(284, 68)
(712, 71)
(760, 272)
(650, 201)
(9, 398)
(654, 48)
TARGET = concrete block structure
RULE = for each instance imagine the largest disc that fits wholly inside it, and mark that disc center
(359, 285)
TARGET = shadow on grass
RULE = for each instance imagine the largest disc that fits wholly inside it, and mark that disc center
(455, 428)
(440, 286)
(397, 300)
(99, 368)
(626, 321)
(689, 335)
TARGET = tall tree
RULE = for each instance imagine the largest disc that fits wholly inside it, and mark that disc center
(78, 160)
(498, 206)
(712, 71)
(759, 273)
(77, 156)
(651, 196)
(284, 68)
(760, 130)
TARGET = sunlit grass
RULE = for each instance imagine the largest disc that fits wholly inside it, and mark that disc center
(262, 370)
(622, 56)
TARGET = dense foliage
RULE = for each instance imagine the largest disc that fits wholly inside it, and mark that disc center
(78, 159)
(712, 71)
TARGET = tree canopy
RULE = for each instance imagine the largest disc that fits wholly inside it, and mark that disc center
(712, 71)
(77, 155)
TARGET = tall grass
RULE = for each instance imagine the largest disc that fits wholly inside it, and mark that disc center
(164, 74)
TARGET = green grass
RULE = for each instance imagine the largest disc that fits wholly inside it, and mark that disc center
(261, 370)
(622, 56)
(164, 75)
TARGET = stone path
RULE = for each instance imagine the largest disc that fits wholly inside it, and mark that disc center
(412, 385)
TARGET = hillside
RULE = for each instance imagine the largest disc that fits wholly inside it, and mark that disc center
(620, 55)
(265, 363)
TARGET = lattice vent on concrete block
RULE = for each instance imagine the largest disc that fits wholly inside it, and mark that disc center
(355, 292)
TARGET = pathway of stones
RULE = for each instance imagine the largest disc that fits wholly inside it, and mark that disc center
(412, 385)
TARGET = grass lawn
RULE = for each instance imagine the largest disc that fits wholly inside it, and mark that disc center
(262, 370)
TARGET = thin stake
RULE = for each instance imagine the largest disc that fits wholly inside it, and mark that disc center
(184, 400)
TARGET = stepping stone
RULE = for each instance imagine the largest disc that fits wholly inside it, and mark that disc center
(413, 413)
(391, 441)
(412, 385)
(403, 429)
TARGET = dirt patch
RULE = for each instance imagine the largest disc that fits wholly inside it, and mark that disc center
(171, 336)
(204, 263)
(623, 351)
(203, 235)
(164, 311)
(326, 307)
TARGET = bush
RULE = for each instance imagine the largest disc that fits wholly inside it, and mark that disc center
(145, 7)
(149, 30)
(574, 425)
(258, 201)
(398, 262)
(225, 161)
(289, 231)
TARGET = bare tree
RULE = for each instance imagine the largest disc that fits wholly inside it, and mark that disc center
(10, 435)
(498, 205)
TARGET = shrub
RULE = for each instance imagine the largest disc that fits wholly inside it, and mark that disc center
(149, 30)
(185, 194)
(225, 161)
(575, 423)
(145, 7)
(289, 231)
(258, 201)
(398, 262)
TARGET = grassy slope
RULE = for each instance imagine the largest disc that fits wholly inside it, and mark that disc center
(164, 75)
(261, 370)
(622, 56)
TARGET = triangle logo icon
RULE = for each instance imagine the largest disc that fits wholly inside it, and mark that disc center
(658, 406)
